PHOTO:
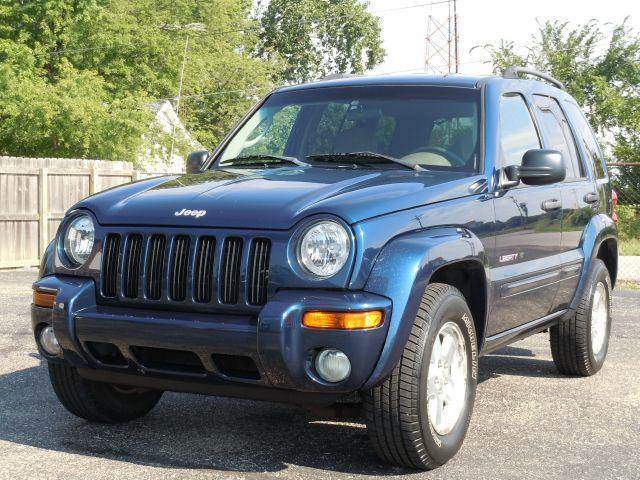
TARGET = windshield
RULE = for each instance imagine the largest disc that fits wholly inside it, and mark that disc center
(427, 127)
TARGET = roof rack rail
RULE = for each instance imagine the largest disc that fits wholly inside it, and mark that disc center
(337, 76)
(515, 72)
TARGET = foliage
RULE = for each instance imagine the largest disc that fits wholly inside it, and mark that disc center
(630, 246)
(74, 117)
(629, 229)
(313, 38)
(626, 183)
(77, 76)
(600, 70)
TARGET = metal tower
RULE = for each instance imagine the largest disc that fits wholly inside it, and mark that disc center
(442, 42)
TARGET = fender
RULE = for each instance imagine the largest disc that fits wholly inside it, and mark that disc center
(47, 266)
(402, 272)
(600, 228)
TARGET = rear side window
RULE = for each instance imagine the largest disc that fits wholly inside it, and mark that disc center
(588, 139)
(558, 134)
(517, 130)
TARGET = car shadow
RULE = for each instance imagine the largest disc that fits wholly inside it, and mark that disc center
(516, 361)
(199, 432)
(189, 432)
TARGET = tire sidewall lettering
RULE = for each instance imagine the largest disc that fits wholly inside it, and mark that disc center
(465, 321)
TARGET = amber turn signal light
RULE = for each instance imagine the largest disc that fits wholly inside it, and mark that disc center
(343, 320)
(44, 300)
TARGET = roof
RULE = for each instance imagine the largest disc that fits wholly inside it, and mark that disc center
(451, 80)
(462, 81)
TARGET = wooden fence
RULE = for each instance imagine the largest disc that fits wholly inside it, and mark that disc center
(36, 193)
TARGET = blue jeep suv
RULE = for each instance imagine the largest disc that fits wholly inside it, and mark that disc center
(358, 238)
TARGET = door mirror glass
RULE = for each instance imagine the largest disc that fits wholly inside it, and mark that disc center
(541, 167)
(196, 161)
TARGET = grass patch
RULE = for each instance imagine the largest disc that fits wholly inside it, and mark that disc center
(627, 285)
(629, 229)
(629, 246)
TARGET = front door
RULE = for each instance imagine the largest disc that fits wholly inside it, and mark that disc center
(526, 262)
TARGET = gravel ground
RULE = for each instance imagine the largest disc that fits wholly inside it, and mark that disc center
(529, 422)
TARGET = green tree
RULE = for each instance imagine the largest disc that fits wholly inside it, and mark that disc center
(76, 76)
(74, 117)
(313, 38)
(601, 70)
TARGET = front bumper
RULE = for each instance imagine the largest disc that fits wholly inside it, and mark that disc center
(274, 341)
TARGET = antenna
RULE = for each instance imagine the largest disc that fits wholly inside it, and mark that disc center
(442, 53)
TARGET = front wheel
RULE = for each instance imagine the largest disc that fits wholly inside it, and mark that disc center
(99, 402)
(418, 417)
(579, 345)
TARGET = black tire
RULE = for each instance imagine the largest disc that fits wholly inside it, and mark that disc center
(396, 411)
(571, 345)
(99, 402)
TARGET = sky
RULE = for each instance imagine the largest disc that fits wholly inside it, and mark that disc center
(404, 26)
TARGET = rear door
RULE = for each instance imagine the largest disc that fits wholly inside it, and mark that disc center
(526, 261)
(580, 198)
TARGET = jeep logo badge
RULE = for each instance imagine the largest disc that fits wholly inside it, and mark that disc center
(190, 213)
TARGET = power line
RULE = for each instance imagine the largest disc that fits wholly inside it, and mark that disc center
(408, 7)
(213, 33)
(130, 44)
(211, 94)
(420, 69)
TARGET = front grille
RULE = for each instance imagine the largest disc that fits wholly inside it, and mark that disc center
(259, 271)
(155, 266)
(132, 266)
(204, 275)
(110, 260)
(180, 260)
(230, 271)
(190, 270)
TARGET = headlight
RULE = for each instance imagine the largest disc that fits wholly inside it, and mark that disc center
(78, 239)
(324, 248)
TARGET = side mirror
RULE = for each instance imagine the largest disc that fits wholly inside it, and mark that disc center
(197, 160)
(539, 167)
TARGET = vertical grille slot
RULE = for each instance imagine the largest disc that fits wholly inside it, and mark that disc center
(259, 271)
(180, 257)
(110, 255)
(155, 266)
(204, 274)
(230, 270)
(132, 256)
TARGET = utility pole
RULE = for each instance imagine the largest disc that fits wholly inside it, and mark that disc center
(191, 27)
(173, 126)
(442, 53)
(455, 34)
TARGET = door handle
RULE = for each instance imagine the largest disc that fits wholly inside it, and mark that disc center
(552, 204)
(591, 198)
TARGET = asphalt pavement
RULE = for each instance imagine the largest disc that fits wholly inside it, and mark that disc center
(529, 422)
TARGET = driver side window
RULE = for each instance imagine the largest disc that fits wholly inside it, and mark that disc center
(517, 131)
(270, 136)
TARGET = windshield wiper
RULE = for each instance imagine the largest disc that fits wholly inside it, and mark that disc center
(362, 158)
(259, 159)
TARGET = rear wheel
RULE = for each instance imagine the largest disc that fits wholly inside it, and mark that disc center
(579, 345)
(419, 416)
(99, 402)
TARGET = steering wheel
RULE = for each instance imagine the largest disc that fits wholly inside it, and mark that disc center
(454, 159)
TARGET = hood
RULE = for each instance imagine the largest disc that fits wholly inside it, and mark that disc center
(274, 198)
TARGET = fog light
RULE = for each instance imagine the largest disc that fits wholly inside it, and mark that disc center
(333, 365)
(49, 342)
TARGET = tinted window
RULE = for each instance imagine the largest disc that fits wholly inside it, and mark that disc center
(517, 130)
(558, 134)
(586, 136)
(434, 127)
(270, 135)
